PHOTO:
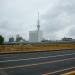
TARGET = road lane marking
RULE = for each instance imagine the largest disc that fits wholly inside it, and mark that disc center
(69, 73)
(59, 71)
(42, 63)
(7, 55)
(36, 58)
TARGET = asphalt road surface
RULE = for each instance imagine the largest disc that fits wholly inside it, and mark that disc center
(37, 63)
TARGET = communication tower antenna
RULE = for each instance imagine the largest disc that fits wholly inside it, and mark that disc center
(38, 25)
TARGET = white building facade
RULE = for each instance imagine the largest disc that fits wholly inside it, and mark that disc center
(35, 36)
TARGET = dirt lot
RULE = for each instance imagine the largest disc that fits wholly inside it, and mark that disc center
(34, 47)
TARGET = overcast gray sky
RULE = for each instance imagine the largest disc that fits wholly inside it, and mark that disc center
(57, 17)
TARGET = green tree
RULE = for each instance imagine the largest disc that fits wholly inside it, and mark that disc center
(1, 39)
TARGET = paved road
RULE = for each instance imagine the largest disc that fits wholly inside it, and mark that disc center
(37, 63)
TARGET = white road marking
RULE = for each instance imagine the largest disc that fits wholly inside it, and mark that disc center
(35, 58)
(59, 71)
(42, 63)
(8, 55)
(72, 72)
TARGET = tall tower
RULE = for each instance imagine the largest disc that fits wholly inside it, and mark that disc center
(36, 36)
(38, 23)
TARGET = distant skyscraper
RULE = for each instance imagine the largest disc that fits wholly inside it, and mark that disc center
(36, 36)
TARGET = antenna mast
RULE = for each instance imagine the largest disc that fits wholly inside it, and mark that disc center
(38, 25)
